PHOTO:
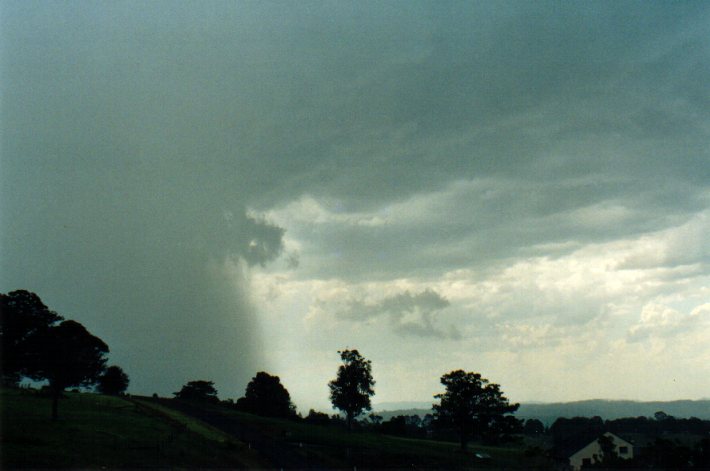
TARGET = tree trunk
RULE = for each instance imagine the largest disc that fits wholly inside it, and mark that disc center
(55, 403)
(464, 439)
(350, 421)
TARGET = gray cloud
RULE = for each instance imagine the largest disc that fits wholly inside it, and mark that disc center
(140, 141)
(407, 313)
(119, 205)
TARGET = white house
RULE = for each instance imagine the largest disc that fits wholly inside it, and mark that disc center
(593, 452)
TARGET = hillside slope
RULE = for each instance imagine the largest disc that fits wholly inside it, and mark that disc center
(97, 431)
(294, 444)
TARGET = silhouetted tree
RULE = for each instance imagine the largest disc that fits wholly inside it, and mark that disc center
(660, 416)
(404, 425)
(113, 382)
(427, 421)
(606, 444)
(471, 404)
(396, 425)
(265, 395)
(665, 454)
(702, 454)
(576, 432)
(502, 429)
(533, 427)
(67, 355)
(317, 418)
(374, 419)
(198, 391)
(23, 316)
(351, 390)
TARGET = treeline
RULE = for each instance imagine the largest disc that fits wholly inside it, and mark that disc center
(264, 395)
(41, 345)
(470, 408)
(569, 432)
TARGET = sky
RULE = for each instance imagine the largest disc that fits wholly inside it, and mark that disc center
(520, 189)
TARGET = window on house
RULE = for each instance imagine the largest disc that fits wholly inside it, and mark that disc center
(586, 461)
(623, 450)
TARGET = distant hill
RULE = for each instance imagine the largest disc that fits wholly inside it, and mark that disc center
(548, 412)
(612, 409)
(393, 406)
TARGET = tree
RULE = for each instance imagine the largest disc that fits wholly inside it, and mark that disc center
(533, 427)
(404, 425)
(198, 391)
(606, 444)
(350, 391)
(503, 429)
(67, 355)
(317, 418)
(113, 382)
(23, 316)
(265, 395)
(471, 405)
(570, 433)
(374, 419)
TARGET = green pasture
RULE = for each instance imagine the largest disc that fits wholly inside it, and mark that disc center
(96, 431)
(337, 448)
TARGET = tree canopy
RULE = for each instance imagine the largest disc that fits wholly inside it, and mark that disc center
(472, 405)
(68, 356)
(23, 317)
(198, 391)
(351, 390)
(533, 427)
(36, 345)
(113, 382)
(265, 395)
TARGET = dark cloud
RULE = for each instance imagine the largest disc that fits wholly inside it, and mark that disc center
(120, 207)
(140, 141)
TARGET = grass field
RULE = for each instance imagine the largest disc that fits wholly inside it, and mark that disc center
(335, 447)
(97, 431)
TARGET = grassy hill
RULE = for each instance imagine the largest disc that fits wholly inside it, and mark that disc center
(97, 431)
(334, 447)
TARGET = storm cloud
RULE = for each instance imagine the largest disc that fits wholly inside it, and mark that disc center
(508, 186)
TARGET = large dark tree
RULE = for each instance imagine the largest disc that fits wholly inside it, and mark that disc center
(113, 382)
(198, 391)
(533, 427)
(23, 316)
(350, 391)
(471, 405)
(575, 432)
(265, 395)
(68, 355)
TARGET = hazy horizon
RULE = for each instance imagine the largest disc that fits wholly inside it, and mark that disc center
(520, 189)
